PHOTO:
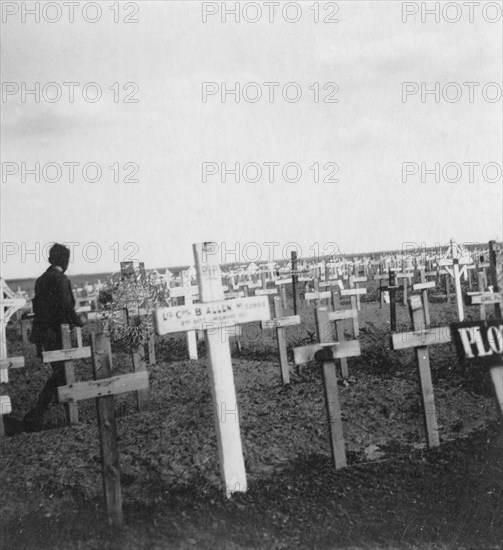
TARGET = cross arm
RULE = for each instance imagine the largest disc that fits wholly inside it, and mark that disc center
(335, 350)
(104, 387)
(418, 338)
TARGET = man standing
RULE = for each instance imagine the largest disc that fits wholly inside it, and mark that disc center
(53, 305)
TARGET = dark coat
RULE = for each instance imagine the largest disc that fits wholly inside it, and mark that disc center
(53, 305)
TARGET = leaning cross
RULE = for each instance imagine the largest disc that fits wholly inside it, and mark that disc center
(326, 352)
(420, 339)
(103, 388)
(213, 315)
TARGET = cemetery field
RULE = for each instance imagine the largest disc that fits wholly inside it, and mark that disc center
(395, 493)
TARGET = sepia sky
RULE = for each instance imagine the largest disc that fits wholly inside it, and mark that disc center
(170, 131)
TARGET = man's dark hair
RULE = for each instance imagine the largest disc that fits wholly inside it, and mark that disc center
(59, 255)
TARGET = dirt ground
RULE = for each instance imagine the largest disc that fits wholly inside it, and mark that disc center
(395, 492)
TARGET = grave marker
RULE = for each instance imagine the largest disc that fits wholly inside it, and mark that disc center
(423, 286)
(420, 339)
(103, 389)
(10, 303)
(326, 352)
(391, 289)
(354, 292)
(68, 354)
(280, 323)
(213, 315)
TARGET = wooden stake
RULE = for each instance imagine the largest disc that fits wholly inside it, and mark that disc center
(337, 444)
(294, 281)
(423, 363)
(72, 411)
(280, 332)
(102, 361)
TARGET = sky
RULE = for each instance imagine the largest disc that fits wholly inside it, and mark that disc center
(161, 121)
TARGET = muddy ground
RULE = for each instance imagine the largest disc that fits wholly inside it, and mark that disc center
(395, 492)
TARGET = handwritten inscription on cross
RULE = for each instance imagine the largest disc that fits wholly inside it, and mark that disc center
(214, 315)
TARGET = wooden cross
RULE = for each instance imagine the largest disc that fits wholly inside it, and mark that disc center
(282, 288)
(326, 352)
(483, 300)
(451, 263)
(420, 338)
(391, 289)
(406, 276)
(68, 354)
(317, 296)
(384, 294)
(103, 388)
(280, 323)
(353, 282)
(9, 304)
(354, 292)
(423, 286)
(213, 315)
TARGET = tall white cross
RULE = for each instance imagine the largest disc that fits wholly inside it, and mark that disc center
(454, 258)
(215, 315)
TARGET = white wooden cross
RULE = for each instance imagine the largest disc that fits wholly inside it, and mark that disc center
(353, 282)
(420, 338)
(9, 304)
(213, 315)
(354, 292)
(280, 323)
(326, 351)
(423, 286)
(451, 262)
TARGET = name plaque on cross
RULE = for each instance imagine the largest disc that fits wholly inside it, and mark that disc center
(204, 316)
